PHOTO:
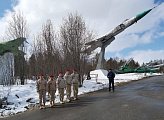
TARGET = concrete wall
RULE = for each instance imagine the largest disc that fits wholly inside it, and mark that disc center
(6, 68)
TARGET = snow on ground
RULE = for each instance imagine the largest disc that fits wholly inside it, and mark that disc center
(20, 95)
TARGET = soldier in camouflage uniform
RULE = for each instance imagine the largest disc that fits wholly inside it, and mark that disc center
(41, 89)
(68, 79)
(61, 86)
(75, 81)
(51, 88)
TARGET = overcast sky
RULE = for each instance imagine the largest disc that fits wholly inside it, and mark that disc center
(143, 41)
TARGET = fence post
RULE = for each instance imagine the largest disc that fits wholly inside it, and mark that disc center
(0, 103)
(96, 77)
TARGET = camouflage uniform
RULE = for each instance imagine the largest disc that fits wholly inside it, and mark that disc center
(75, 81)
(51, 88)
(61, 86)
(68, 79)
(41, 89)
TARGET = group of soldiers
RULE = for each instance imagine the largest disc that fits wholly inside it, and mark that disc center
(62, 82)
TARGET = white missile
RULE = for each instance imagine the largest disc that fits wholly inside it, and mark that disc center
(107, 39)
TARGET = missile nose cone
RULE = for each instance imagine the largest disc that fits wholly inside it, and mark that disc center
(141, 15)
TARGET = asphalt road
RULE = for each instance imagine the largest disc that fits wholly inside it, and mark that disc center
(139, 100)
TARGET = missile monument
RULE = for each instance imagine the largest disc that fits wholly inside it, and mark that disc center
(104, 41)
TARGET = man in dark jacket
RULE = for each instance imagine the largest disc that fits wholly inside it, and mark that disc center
(111, 76)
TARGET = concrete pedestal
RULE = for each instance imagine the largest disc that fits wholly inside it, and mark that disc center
(102, 74)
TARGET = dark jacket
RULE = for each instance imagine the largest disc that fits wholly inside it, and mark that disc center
(111, 75)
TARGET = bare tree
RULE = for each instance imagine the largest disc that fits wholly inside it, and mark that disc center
(74, 35)
(17, 28)
(38, 52)
(45, 53)
(48, 39)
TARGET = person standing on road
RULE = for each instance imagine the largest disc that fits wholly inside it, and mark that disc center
(41, 89)
(68, 79)
(111, 76)
(75, 82)
(51, 88)
(61, 86)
